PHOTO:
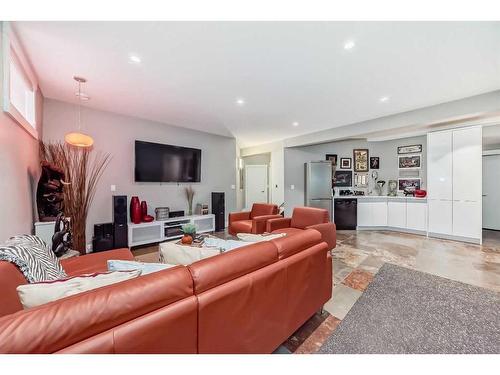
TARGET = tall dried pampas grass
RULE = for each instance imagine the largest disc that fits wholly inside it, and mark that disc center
(82, 170)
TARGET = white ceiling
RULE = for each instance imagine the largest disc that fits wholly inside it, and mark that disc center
(192, 72)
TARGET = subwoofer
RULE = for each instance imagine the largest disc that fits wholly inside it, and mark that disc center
(219, 210)
(120, 209)
(103, 237)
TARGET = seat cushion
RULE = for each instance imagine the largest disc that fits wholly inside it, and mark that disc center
(241, 226)
(288, 231)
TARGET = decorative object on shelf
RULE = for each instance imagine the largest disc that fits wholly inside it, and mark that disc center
(360, 180)
(409, 183)
(411, 149)
(380, 184)
(148, 219)
(392, 188)
(82, 169)
(61, 240)
(189, 231)
(374, 162)
(343, 179)
(135, 210)
(49, 192)
(162, 213)
(202, 209)
(420, 193)
(175, 214)
(345, 163)
(78, 138)
(410, 162)
(360, 157)
(144, 209)
(189, 196)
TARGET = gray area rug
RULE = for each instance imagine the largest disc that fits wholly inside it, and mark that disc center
(406, 311)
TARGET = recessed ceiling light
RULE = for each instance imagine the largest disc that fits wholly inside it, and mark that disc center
(295, 123)
(134, 59)
(349, 45)
(384, 99)
(240, 101)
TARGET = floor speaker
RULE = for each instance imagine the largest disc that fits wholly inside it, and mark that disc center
(219, 210)
(120, 209)
(120, 235)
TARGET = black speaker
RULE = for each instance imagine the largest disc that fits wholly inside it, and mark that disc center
(120, 235)
(219, 210)
(120, 209)
(103, 237)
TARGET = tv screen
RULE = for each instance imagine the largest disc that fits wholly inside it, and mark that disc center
(156, 162)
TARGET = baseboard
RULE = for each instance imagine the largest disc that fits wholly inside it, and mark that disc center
(393, 229)
(476, 241)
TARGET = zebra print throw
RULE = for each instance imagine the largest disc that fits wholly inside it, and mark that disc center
(33, 257)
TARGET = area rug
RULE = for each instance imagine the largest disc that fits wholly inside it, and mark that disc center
(405, 311)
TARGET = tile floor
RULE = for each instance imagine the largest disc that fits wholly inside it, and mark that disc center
(360, 254)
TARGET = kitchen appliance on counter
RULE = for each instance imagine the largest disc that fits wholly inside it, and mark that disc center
(346, 213)
(318, 185)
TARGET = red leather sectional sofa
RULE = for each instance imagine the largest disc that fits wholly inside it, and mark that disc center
(248, 300)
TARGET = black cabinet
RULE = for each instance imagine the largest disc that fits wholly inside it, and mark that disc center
(219, 210)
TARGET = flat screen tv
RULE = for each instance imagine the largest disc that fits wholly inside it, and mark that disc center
(155, 162)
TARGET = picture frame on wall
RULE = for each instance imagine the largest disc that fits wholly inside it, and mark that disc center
(360, 156)
(333, 158)
(412, 183)
(360, 180)
(342, 179)
(410, 161)
(345, 163)
(374, 162)
(410, 149)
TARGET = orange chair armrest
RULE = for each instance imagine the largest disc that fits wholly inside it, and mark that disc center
(278, 223)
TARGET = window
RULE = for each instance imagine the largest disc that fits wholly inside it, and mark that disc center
(19, 83)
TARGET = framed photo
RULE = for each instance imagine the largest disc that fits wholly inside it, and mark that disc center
(411, 149)
(343, 179)
(410, 161)
(411, 183)
(360, 157)
(375, 162)
(332, 158)
(345, 163)
(360, 180)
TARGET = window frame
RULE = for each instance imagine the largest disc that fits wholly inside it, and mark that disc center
(13, 53)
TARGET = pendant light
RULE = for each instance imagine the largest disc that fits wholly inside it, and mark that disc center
(78, 138)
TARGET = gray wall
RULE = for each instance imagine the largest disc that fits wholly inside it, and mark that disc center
(386, 150)
(116, 134)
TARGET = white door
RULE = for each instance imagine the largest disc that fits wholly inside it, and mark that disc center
(255, 184)
(440, 165)
(491, 198)
(467, 160)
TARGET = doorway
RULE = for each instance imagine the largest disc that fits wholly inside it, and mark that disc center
(256, 184)
(491, 196)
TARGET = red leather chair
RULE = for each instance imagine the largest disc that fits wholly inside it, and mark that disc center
(306, 218)
(253, 221)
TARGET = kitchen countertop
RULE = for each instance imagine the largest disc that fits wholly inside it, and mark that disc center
(368, 197)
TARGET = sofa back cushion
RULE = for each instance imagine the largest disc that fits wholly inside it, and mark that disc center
(295, 243)
(10, 279)
(210, 272)
(302, 217)
(261, 209)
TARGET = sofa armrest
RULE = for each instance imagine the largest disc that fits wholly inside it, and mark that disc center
(259, 223)
(94, 262)
(278, 223)
(55, 325)
(237, 216)
(328, 233)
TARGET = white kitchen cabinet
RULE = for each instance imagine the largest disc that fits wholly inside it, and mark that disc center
(440, 165)
(416, 215)
(379, 213)
(440, 216)
(372, 212)
(467, 164)
(467, 219)
(364, 213)
(396, 213)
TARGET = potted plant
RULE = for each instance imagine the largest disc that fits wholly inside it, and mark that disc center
(189, 231)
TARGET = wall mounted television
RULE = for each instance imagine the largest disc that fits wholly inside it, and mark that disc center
(155, 162)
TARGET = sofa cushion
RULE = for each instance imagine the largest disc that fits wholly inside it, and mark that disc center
(293, 244)
(36, 294)
(241, 226)
(303, 217)
(10, 279)
(94, 262)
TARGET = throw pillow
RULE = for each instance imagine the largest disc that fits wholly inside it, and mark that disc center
(36, 294)
(33, 257)
(145, 268)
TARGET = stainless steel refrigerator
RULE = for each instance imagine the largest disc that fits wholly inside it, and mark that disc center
(318, 181)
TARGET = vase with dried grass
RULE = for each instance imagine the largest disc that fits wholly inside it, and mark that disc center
(189, 196)
(82, 168)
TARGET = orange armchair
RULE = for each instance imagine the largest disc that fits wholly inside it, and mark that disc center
(305, 218)
(253, 221)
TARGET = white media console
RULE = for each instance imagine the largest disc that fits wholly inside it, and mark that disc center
(169, 229)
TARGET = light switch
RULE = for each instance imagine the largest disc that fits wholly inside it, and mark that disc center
(113, 187)
(292, 187)
(233, 187)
